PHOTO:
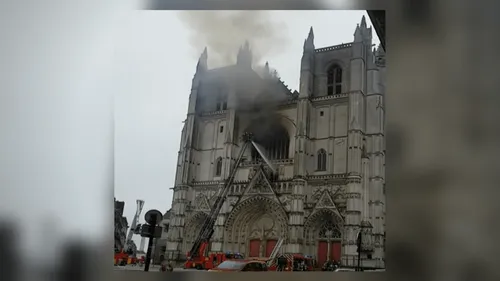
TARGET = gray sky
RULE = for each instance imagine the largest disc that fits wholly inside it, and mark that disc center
(155, 62)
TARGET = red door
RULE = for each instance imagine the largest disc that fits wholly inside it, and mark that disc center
(336, 251)
(322, 252)
(270, 246)
(254, 248)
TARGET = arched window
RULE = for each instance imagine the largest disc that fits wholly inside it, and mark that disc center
(218, 167)
(275, 142)
(221, 103)
(321, 160)
(334, 80)
(221, 99)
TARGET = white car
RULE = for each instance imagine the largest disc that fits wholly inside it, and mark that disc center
(344, 270)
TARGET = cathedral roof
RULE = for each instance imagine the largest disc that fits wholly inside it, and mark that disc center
(267, 81)
(275, 81)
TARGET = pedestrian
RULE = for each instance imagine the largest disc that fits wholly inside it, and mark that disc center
(282, 261)
(170, 266)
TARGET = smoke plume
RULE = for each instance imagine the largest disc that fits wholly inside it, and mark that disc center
(223, 32)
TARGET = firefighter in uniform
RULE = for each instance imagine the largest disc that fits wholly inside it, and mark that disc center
(282, 261)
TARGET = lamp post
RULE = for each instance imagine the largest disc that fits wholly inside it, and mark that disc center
(359, 251)
(328, 235)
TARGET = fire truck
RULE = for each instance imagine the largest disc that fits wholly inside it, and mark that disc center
(294, 262)
(122, 258)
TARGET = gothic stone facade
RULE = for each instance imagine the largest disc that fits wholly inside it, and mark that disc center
(327, 142)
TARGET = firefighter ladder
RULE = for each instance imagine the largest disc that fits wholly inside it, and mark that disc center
(275, 251)
(207, 230)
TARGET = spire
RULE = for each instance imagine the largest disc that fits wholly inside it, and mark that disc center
(202, 61)
(358, 35)
(363, 22)
(244, 57)
(309, 42)
(267, 72)
(311, 34)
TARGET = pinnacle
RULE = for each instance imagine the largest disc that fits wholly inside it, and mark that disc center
(204, 55)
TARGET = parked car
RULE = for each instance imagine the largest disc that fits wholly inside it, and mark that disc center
(240, 265)
(343, 269)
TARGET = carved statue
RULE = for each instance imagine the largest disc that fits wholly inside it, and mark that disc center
(272, 234)
(252, 173)
(255, 233)
(317, 193)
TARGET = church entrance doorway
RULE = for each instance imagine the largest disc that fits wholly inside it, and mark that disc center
(254, 226)
(323, 236)
(329, 251)
(270, 246)
(254, 248)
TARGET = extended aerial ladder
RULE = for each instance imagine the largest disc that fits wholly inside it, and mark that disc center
(275, 251)
(207, 230)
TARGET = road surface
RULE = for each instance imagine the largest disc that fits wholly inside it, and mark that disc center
(152, 268)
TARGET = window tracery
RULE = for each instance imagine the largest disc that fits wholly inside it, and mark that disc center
(218, 167)
(334, 80)
(321, 160)
(276, 144)
(329, 230)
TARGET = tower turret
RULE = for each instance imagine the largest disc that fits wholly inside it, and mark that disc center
(309, 42)
(244, 56)
(307, 66)
(362, 33)
(201, 68)
(202, 65)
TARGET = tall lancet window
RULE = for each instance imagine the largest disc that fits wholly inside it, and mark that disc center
(218, 167)
(334, 80)
(221, 102)
(321, 160)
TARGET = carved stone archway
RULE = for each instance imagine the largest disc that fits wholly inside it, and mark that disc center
(323, 227)
(192, 230)
(257, 218)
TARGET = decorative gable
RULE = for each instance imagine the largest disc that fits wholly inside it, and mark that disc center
(260, 184)
(202, 203)
(325, 201)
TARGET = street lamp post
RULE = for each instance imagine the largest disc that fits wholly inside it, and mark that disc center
(328, 235)
(359, 251)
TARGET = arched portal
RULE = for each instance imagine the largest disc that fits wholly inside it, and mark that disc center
(323, 232)
(254, 227)
(192, 230)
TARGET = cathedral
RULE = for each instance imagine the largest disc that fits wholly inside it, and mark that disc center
(325, 141)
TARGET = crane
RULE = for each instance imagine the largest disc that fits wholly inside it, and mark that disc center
(134, 227)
